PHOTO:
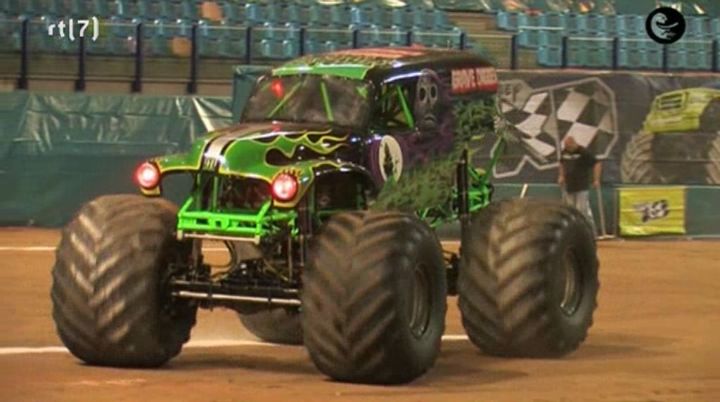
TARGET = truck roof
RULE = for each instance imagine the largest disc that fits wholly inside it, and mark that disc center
(380, 63)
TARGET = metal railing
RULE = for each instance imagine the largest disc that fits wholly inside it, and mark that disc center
(268, 44)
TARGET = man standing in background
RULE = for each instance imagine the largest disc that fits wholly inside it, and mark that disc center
(578, 169)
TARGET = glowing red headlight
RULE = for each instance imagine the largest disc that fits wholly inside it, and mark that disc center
(284, 187)
(147, 175)
(278, 89)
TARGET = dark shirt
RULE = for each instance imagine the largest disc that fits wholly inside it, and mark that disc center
(578, 167)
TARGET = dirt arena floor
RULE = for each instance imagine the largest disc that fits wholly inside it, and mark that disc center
(656, 338)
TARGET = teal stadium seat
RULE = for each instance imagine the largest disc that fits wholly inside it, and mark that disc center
(578, 24)
(653, 54)
(525, 20)
(550, 37)
(630, 26)
(550, 56)
(699, 54)
(254, 13)
(467, 5)
(340, 15)
(529, 37)
(277, 13)
(277, 24)
(577, 53)
(319, 15)
(233, 14)
(231, 43)
(632, 53)
(400, 16)
(601, 25)
(715, 27)
(698, 28)
(550, 19)
(600, 54)
(507, 21)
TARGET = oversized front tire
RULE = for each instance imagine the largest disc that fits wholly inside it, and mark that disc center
(111, 305)
(374, 298)
(275, 325)
(528, 279)
(636, 165)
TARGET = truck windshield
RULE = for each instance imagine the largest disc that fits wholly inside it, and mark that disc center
(310, 99)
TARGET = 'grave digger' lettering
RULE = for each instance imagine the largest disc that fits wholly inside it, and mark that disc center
(474, 79)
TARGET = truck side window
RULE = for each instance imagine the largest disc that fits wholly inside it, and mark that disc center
(395, 106)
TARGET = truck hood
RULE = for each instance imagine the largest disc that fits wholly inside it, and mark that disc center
(264, 150)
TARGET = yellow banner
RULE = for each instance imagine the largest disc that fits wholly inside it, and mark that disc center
(652, 210)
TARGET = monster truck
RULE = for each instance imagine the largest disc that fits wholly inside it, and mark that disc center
(326, 195)
(679, 141)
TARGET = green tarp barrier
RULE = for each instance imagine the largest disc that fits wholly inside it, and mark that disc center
(58, 151)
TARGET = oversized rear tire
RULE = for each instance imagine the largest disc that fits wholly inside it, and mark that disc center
(275, 325)
(374, 298)
(528, 279)
(110, 303)
(636, 165)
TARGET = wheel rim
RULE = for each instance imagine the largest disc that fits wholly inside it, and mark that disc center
(570, 281)
(419, 306)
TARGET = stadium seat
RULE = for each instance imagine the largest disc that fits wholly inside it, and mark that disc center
(550, 56)
(401, 16)
(254, 13)
(296, 13)
(340, 15)
(630, 26)
(577, 53)
(550, 37)
(232, 43)
(715, 27)
(529, 37)
(440, 19)
(266, 31)
(578, 24)
(677, 58)
(527, 20)
(233, 14)
(276, 13)
(600, 54)
(127, 9)
(278, 24)
(632, 53)
(698, 27)
(507, 21)
(551, 19)
(601, 25)
(653, 54)
(699, 54)
(319, 15)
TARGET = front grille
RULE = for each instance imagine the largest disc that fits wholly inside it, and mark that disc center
(671, 101)
(242, 193)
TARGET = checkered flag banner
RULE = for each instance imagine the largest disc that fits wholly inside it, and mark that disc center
(538, 119)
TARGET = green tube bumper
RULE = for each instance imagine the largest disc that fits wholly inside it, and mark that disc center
(244, 225)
